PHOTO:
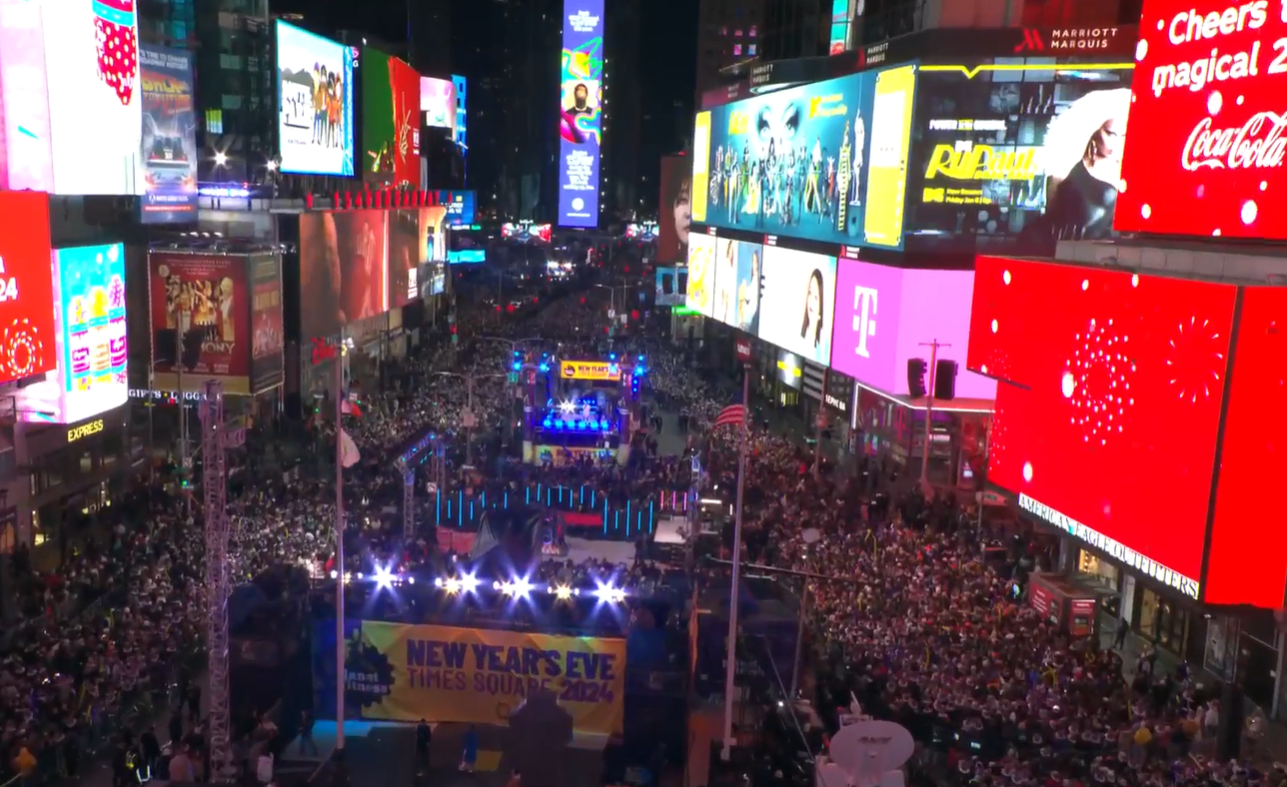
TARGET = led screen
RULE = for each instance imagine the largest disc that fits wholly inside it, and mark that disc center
(390, 120)
(884, 315)
(675, 212)
(701, 274)
(433, 234)
(672, 284)
(825, 161)
(466, 256)
(737, 284)
(462, 94)
(460, 207)
(26, 160)
(343, 275)
(204, 299)
(579, 113)
(314, 103)
(95, 102)
(268, 342)
(89, 290)
(28, 335)
(404, 257)
(1205, 151)
(797, 303)
(438, 102)
(1010, 155)
(169, 150)
(1107, 416)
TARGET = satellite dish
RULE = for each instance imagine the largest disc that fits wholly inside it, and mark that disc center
(811, 535)
(871, 748)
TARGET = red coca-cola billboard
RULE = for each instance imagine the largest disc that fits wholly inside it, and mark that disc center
(1208, 121)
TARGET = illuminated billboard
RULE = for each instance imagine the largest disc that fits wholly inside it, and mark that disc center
(672, 284)
(1205, 150)
(390, 120)
(1011, 155)
(433, 234)
(1096, 368)
(438, 102)
(169, 147)
(404, 257)
(883, 315)
(202, 301)
(25, 154)
(700, 296)
(28, 334)
(89, 297)
(835, 153)
(738, 266)
(268, 341)
(796, 305)
(462, 93)
(314, 103)
(460, 206)
(580, 115)
(675, 210)
(343, 274)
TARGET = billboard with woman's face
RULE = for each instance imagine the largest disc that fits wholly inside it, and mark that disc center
(1014, 155)
(675, 215)
(797, 303)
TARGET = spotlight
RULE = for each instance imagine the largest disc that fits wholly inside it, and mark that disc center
(563, 592)
(609, 594)
(359, 575)
(411, 580)
(437, 582)
(452, 585)
(383, 577)
(497, 586)
(521, 587)
(334, 574)
(469, 583)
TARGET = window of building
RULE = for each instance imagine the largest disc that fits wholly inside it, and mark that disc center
(723, 31)
(753, 30)
(737, 50)
(750, 49)
(737, 33)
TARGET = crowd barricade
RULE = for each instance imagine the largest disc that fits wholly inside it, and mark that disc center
(587, 511)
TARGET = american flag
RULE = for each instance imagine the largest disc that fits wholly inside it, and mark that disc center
(734, 414)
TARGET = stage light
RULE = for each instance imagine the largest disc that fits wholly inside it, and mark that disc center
(497, 586)
(563, 592)
(360, 576)
(334, 574)
(558, 424)
(567, 406)
(452, 585)
(521, 587)
(608, 593)
(383, 577)
(437, 582)
(545, 368)
(469, 582)
(641, 359)
(517, 366)
(411, 580)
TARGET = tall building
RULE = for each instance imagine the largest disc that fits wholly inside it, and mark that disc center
(794, 29)
(728, 34)
(236, 89)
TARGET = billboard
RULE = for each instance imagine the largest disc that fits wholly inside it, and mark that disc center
(404, 257)
(674, 212)
(1109, 404)
(91, 68)
(825, 161)
(796, 305)
(314, 103)
(28, 333)
(433, 279)
(672, 285)
(402, 672)
(390, 120)
(1012, 154)
(883, 315)
(460, 205)
(343, 274)
(466, 256)
(433, 234)
(268, 340)
(737, 284)
(89, 312)
(205, 297)
(169, 146)
(26, 161)
(438, 102)
(462, 93)
(1206, 124)
(579, 113)
(700, 296)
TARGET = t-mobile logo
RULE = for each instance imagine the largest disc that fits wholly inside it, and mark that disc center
(865, 301)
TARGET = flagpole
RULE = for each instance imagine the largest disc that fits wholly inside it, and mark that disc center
(340, 674)
(730, 668)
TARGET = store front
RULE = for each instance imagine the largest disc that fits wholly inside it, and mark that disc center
(884, 426)
(838, 403)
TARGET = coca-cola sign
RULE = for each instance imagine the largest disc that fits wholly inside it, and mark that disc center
(1208, 121)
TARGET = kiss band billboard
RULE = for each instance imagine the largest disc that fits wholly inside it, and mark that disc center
(219, 317)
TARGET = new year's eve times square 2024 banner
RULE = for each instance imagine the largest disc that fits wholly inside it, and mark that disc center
(580, 115)
(403, 672)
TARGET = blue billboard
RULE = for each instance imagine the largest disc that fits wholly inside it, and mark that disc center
(459, 205)
(169, 143)
(466, 256)
(580, 115)
(825, 161)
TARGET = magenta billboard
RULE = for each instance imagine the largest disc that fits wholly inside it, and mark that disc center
(883, 314)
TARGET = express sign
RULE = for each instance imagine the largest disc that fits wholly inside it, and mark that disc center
(1209, 123)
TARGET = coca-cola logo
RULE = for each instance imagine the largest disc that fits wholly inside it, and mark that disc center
(1258, 144)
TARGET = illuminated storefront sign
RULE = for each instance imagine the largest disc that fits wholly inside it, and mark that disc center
(84, 430)
(590, 370)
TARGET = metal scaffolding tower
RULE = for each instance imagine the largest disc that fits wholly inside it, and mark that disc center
(217, 438)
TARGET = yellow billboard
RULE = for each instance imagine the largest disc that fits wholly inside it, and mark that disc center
(701, 166)
(441, 673)
(887, 171)
(590, 370)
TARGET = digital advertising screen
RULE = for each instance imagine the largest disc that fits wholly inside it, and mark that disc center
(28, 334)
(466, 256)
(205, 297)
(314, 103)
(884, 314)
(404, 257)
(1013, 154)
(26, 155)
(825, 161)
(462, 112)
(737, 284)
(700, 296)
(91, 69)
(579, 117)
(797, 302)
(1108, 404)
(433, 234)
(438, 103)
(675, 213)
(1205, 152)
(672, 285)
(343, 275)
(460, 205)
(433, 279)
(390, 120)
(169, 150)
(268, 342)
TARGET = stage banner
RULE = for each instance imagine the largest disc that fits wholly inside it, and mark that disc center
(441, 673)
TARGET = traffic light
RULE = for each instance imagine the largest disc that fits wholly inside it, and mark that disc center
(916, 377)
(945, 380)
